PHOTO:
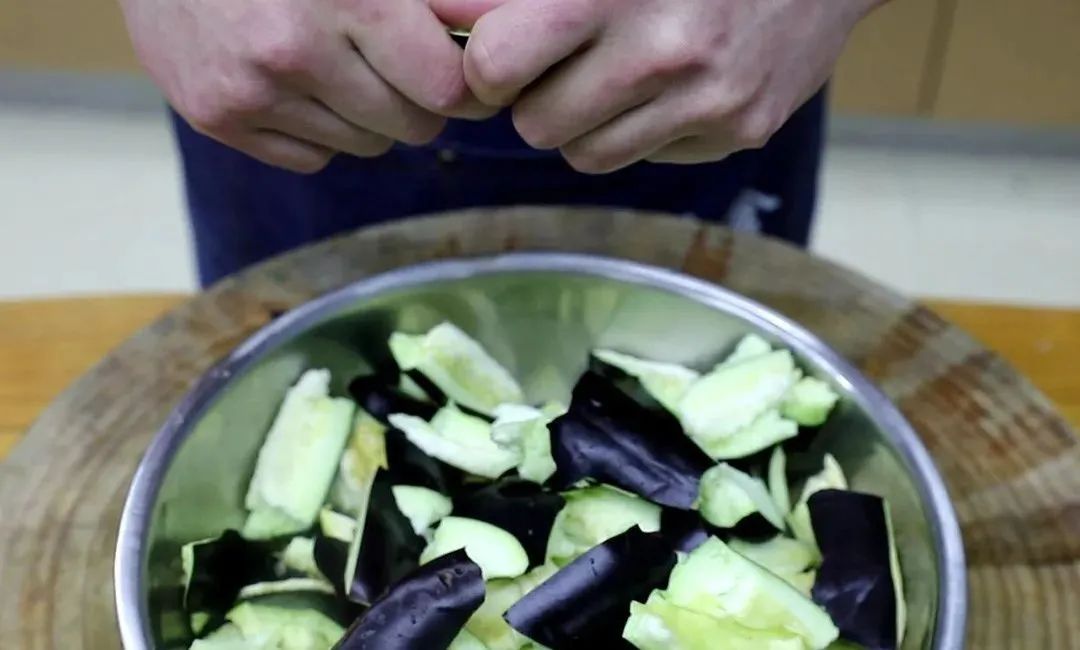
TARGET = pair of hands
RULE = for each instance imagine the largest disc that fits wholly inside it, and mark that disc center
(607, 82)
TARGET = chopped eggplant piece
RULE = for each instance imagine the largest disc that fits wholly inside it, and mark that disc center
(783, 556)
(336, 525)
(284, 626)
(766, 430)
(609, 437)
(660, 625)
(809, 402)
(778, 483)
(831, 477)
(458, 439)
(299, 459)
(215, 570)
(593, 515)
(287, 586)
(732, 397)
(466, 641)
(409, 465)
(408, 385)
(517, 506)
(587, 601)
(664, 382)
(728, 496)
(229, 637)
(523, 430)
(685, 530)
(422, 506)
(299, 557)
(791, 559)
(382, 399)
(748, 347)
(499, 554)
(859, 582)
(364, 456)
(716, 581)
(416, 382)
(488, 624)
(384, 549)
(426, 610)
(459, 366)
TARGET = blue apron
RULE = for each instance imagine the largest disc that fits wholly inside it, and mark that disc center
(243, 211)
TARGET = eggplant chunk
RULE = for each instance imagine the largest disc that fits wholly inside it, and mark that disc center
(426, 610)
(519, 507)
(217, 569)
(587, 602)
(859, 581)
(609, 437)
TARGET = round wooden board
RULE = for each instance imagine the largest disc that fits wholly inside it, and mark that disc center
(1012, 465)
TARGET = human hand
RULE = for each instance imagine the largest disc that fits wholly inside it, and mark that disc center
(292, 82)
(611, 82)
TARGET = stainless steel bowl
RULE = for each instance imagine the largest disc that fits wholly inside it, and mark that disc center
(539, 314)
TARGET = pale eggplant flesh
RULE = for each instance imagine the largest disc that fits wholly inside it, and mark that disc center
(517, 506)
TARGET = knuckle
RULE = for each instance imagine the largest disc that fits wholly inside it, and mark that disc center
(422, 131)
(210, 116)
(589, 161)
(308, 165)
(491, 72)
(674, 51)
(445, 90)
(446, 96)
(283, 51)
(754, 130)
(246, 97)
(535, 130)
(372, 146)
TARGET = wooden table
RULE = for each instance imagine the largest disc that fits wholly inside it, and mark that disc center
(46, 344)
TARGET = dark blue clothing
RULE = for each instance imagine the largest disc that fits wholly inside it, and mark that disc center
(243, 211)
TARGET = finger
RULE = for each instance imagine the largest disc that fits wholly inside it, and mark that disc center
(309, 120)
(692, 151)
(414, 53)
(633, 136)
(358, 94)
(513, 45)
(281, 150)
(586, 92)
(462, 13)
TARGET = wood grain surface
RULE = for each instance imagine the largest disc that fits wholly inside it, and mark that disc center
(1011, 462)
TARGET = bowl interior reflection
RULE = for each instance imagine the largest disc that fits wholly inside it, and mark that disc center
(541, 325)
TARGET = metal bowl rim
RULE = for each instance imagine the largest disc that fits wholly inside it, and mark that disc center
(129, 569)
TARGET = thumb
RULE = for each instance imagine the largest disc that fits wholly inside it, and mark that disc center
(462, 14)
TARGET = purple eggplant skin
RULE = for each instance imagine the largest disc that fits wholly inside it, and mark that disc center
(424, 611)
(409, 465)
(685, 530)
(520, 507)
(381, 398)
(389, 549)
(587, 602)
(222, 567)
(855, 582)
(608, 436)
